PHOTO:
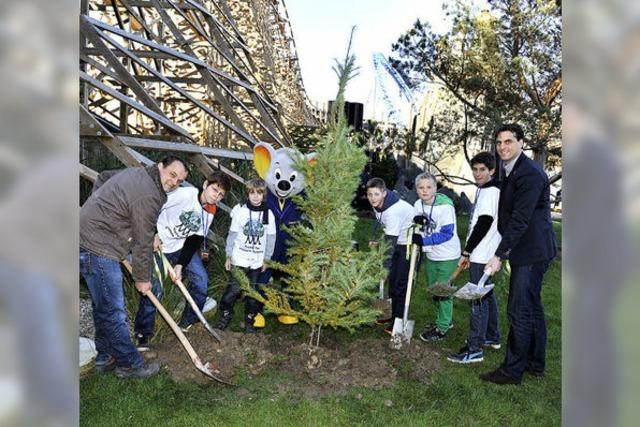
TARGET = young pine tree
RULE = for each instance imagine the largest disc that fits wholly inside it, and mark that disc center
(331, 283)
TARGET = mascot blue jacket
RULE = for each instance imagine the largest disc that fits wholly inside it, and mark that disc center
(276, 168)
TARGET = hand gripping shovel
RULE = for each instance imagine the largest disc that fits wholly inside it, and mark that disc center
(205, 368)
(447, 289)
(189, 299)
(403, 328)
(471, 291)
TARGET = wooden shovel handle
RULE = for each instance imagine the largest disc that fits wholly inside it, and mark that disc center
(455, 273)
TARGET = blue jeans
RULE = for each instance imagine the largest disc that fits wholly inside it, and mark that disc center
(198, 285)
(104, 279)
(527, 340)
(483, 322)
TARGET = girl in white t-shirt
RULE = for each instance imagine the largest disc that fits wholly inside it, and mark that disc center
(250, 243)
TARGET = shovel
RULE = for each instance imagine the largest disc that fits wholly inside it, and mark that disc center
(447, 289)
(403, 328)
(205, 368)
(471, 291)
(188, 297)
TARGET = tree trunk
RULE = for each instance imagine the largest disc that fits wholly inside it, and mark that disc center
(540, 155)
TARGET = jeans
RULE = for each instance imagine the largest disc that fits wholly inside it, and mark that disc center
(527, 340)
(398, 279)
(104, 279)
(483, 322)
(233, 291)
(198, 285)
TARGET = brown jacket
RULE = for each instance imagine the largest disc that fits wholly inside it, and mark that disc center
(121, 215)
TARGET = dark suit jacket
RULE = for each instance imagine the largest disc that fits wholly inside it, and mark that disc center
(524, 215)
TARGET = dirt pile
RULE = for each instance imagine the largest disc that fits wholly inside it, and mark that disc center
(331, 368)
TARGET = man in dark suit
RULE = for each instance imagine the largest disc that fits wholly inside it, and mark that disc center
(528, 242)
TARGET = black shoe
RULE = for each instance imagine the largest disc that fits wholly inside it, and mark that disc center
(106, 366)
(497, 377)
(535, 372)
(142, 342)
(248, 325)
(223, 320)
(432, 334)
(148, 369)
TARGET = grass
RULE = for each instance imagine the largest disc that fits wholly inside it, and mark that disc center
(455, 397)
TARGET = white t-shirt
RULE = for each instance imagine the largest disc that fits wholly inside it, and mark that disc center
(250, 244)
(442, 214)
(396, 220)
(486, 204)
(180, 217)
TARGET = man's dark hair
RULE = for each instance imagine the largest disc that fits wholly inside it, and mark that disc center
(514, 128)
(221, 179)
(167, 160)
(485, 158)
(376, 183)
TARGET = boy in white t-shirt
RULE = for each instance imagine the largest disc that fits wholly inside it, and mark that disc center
(251, 240)
(396, 217)
(436, 216)
(182, 227)
(482, 241)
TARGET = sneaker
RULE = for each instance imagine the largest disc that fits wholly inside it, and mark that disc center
(493, 344)
(223, 320)
(186, 328)
(104, 366)
(466, 356)
(142, 342)
(148, 369)
(433, 326)
(433, 334)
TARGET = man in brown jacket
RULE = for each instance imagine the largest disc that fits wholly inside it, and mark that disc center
(120, 217)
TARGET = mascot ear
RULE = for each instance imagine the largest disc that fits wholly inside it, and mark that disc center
(262, 155)
(311, 158)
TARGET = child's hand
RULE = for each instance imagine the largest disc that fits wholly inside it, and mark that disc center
(464, 262)
(156, 243)
(264, 268)
(177, 273)
(227, 264)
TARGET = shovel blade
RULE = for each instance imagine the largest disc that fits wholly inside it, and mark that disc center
(471, 291)
(401, 332)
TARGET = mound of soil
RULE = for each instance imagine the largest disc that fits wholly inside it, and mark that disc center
(331, 368)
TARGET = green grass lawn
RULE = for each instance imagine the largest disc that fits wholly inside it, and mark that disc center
(455, 397)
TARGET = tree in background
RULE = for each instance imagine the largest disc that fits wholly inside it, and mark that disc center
(501, 65)
(331, 282)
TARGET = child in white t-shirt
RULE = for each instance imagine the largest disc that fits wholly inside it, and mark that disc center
(396, 217)
(250, 243)
(183, 224)
(435, 214)
(481, 244)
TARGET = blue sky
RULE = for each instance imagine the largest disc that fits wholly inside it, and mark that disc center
(321, 31)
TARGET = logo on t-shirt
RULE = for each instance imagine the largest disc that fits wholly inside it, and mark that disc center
(253, 230)
(190, 222)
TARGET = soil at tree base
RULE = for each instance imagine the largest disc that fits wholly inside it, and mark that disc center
(331, 368)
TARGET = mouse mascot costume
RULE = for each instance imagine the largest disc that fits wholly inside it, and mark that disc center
(276, 168)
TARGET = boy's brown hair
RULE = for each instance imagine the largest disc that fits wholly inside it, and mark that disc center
(256, 184)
